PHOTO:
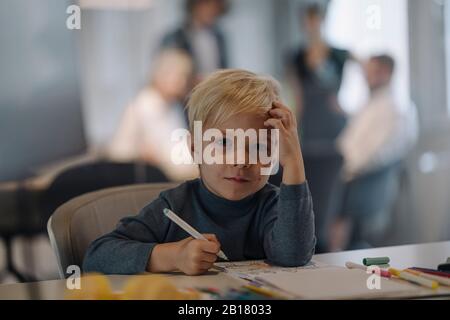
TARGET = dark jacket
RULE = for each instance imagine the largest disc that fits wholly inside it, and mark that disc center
(179, 39)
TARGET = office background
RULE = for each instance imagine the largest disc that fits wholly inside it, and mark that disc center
(63, 92)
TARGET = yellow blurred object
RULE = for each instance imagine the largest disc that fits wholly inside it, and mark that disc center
(154, 287)
(93, 286)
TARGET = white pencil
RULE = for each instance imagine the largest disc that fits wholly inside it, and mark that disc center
(186, 227)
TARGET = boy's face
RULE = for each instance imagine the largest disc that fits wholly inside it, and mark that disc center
(235, 181)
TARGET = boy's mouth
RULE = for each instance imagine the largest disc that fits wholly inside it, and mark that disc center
(238, 179)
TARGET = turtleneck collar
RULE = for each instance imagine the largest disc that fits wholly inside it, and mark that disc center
(216, 205)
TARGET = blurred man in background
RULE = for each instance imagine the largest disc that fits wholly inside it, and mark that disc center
(381, 133)
(373, 145)
(201, 37)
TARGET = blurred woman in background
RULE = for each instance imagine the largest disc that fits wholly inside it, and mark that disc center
(149, 121)
(317, 70)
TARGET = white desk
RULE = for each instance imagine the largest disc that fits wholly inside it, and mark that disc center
(427, 255)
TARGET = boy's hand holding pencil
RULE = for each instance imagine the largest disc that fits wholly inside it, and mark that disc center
(190, 256)
(196, 256)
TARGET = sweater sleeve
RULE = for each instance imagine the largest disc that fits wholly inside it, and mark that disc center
(288, 227)
(127, 249)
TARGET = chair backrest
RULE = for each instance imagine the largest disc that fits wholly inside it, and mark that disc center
(77, 223)
(93, 176)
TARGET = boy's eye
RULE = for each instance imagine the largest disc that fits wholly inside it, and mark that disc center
(260, 147)
(224, 142)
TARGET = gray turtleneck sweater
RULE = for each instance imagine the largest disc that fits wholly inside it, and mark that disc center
(276, 224)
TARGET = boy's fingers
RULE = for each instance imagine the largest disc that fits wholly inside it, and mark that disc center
(209, 257)
(280, 106)
(210, 246)
(186, 240)
(211, 237)
(275, 123)
(277, 104)
(283, 115)
(204, 266)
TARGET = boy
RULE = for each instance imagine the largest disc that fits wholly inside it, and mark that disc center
(242, 214)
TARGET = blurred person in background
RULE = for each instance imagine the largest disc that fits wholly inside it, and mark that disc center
(200, 36)
(148, 122)
(373, 144)
(316, 71)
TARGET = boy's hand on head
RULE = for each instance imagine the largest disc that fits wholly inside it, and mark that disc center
(194, 256)
(282, 118)
(290, 155)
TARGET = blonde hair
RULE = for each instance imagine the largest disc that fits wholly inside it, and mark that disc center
(229, 92)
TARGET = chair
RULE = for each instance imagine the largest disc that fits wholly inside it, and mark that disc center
(94, 176)
(80, 221)
(368, 201)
